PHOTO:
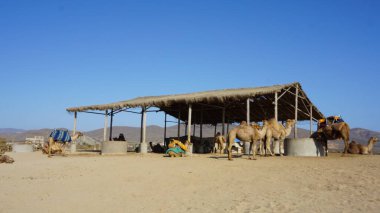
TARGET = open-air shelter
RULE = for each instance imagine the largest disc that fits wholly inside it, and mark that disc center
(282, 102)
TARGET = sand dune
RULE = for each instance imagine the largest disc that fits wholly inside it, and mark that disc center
(203, 183)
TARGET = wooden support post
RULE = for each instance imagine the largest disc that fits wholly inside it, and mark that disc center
(311, 119)
(296, 114)
(223, 121)
(166, 145)
(111, 125)
(73, 146)
(276, 106)
(194, 130)
(248, 111)
(189, 124)
(215, 129)
(201, 126)
(105, 125)
(188, 127)
(143, 145)
(75, 123)
(179, 125)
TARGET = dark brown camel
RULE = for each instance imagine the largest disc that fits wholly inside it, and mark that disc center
(334, 132)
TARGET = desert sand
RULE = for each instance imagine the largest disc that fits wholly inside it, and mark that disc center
(202, 183)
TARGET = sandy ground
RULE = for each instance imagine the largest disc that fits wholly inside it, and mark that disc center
(204, 183)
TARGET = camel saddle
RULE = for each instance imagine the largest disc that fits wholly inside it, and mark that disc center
(61, 135)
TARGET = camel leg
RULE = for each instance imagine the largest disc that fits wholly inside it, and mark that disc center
(280, 144)
(51, 141)
(231, 139)
(267, 147)
(345, 148)
(63, 148)
(253, 150)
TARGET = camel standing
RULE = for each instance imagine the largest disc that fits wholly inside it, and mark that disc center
(246, 133)
(278, 132)
(333, 132)
(261, 132)
(219, 143)
(355, 148)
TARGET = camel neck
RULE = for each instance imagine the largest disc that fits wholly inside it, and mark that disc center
(370, 146)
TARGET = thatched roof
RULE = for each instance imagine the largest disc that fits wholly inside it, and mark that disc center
(207, 106)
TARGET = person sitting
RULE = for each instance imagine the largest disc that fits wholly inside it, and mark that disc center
(176, 148)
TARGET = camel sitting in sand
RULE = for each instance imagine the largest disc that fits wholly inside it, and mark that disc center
(355, 148)
(6, 159)
(156, 148)
(58, 140)
(278, 132)
(333, 131)
(219, 143)
(246, 133)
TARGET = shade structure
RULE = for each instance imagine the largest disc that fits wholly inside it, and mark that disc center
(208, 107)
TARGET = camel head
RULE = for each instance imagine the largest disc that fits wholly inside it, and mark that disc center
(290, 122)
(373, 140)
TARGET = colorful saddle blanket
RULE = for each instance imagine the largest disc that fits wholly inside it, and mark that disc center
(176, 150)
(60, 135)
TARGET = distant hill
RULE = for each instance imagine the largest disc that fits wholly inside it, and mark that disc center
(11, 130)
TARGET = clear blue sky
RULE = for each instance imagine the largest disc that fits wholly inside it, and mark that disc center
(59, 54)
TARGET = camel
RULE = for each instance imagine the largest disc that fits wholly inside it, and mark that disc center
(261, 132)
(246, 133)
(58, 140)
(6, 159)
(278, 132)
(219, 143)
(156, 148)
(333, 131)
(355, 148)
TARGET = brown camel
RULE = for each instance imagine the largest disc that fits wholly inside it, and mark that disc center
(261, 132)
(58, 146)
(355, 148)
(219, 143)
(246, 133)
(278, 132)
(6, 159)
(334, 131)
